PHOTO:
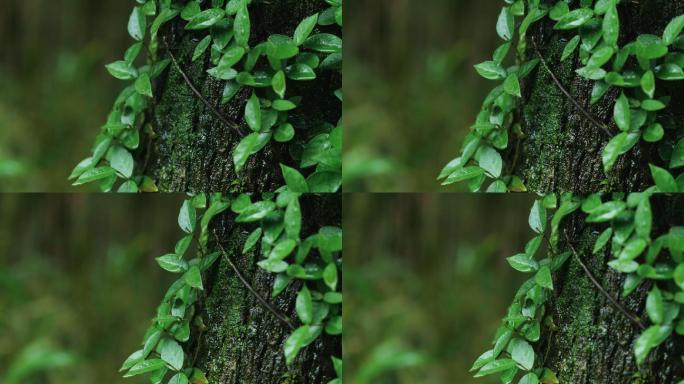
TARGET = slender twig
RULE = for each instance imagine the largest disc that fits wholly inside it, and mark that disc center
(218, 114)
(567, 94)
(261, 300)
(598, 285)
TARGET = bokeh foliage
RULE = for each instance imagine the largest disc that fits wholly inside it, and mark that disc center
(78, 282)
(410, 88)
(425, 281)
(54, 87)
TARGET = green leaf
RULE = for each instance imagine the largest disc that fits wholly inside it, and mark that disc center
(193, 277)
(121, 160)
(602, 240)
(489, 160)
(654, 305)
(495, 367)
(137, 24)
(512, 85)
(650, 339)
(543, 278)
(145, 366)
(330, 239)
(324, 42)
(330, 275)
(122, 70)
(143, 85)
(293, 218)
(522, 353)
(253, 113)
(523, 263)
(295, 342)
(663, 179)
(284, 133)
(633, 249)
(530, 378)
(611, 25)
(242, 26)
(612, 150)
(673, 30)
(294, 180)
(648, 83)
(303, 305)
(172, 263)
(491, 70)
(231, 57)
(537, 217)
(187, 217)
(600, 57)
(278, 83)
(244, 149)
(94, 175)
(624, 266)
(180, 378)
(255, 212)
(206, 19)
(164, 16)
(132, 360)
(505, 25)
(574, 19)
(464, 173)
(643, 218)
(132, 52)
(252, 240)
(570, 47)
(172, 353)
(677, 157)
(304, 29)
(606, 211)
(621, 112)
(282, 249)
(679, 275)
(201, 47)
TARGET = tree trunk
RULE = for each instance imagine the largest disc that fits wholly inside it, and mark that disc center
(190, 149)
(243, 341)
(587, 340)
(561, 150)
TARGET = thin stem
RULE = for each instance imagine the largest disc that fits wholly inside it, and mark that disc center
(218, 115)
(261, 300)
(598, 285)
(567, 94)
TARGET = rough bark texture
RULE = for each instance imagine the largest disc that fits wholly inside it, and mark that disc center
(191, 150)
(243, 342)
(561, 150)
(592, 341)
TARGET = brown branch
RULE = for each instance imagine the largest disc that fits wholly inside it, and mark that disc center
(598, 285)
(197, 93)
(261, 300)
(567, 94)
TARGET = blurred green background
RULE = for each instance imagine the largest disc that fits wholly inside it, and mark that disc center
(79, 283)
(410, 88)
(426, 283)
(54, 90)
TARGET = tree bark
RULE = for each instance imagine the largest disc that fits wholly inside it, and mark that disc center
(243, 341)
(587, 340)
(561, 149)
(190, 149)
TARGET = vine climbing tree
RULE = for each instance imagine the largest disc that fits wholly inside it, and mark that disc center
(231, 97)
(588, 103)
(224, 94)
